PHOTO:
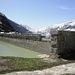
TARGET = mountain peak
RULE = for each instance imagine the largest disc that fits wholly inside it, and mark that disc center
(70, 25)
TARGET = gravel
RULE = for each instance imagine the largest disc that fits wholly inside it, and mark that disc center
(58, 70)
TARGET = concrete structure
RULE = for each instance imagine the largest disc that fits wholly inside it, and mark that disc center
(34, 37)
(63, 42)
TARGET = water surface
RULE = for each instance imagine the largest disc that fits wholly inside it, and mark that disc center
(16, 51)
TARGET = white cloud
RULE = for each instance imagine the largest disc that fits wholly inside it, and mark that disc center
(66, 8)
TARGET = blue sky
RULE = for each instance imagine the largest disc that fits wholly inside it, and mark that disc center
(38, 13)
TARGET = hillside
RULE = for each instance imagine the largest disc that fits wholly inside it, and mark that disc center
(7, 25)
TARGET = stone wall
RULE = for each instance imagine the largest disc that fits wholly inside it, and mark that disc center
(34, 37)
(64, 42)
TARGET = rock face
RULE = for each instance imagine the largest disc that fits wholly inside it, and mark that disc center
(63, 42)
(58, 70)
(67, 26)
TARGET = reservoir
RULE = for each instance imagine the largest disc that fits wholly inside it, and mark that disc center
(16, 51)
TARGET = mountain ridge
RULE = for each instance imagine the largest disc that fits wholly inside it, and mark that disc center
(66, 26)
(70, 25)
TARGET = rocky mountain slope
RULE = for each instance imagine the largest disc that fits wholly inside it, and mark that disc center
(20, 28)
(7, 25)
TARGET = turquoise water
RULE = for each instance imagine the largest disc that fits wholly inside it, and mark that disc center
(12, 50)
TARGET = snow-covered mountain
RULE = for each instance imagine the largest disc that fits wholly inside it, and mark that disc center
(10, 25)
(67, 26)
(28, 28)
